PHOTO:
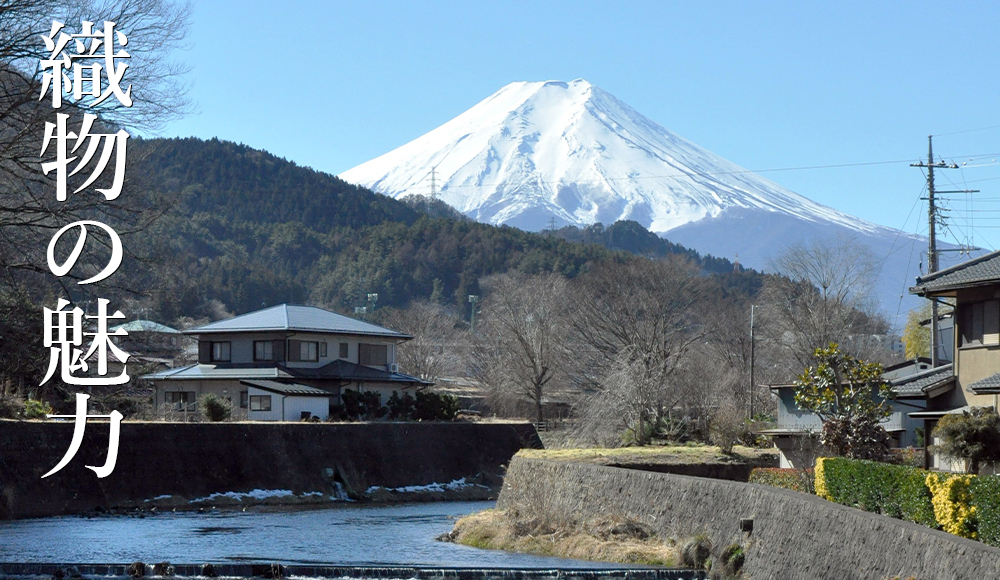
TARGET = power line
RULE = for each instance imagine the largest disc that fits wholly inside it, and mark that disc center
(736, 172)
(966, 131)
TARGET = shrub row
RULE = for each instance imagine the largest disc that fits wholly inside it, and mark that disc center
(898, 491)
(985, 491)
(793, 479)
(964, 505)
(952, 501)
(366, 405)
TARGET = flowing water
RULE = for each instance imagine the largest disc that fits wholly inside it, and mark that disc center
(340, 535)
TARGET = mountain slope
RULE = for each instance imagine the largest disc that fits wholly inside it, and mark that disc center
(538, 152)
(533, 151)
(248, 228)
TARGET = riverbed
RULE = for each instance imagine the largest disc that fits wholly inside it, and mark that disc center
(348, 535)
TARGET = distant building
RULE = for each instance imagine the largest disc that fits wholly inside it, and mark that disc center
(912, 382)
(285, 363)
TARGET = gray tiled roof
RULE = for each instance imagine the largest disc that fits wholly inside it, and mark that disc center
(287, 317)
(146, 326)
(348, 371)
(978, 271)
(292, 389)
(339, 370)
(987, 386)
(917, 384)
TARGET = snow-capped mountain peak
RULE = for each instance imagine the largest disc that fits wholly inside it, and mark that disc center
(534, 151)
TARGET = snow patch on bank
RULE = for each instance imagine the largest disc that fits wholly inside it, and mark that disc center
(258, 495)
(454, 485)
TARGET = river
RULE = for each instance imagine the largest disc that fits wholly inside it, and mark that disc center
(347, 535)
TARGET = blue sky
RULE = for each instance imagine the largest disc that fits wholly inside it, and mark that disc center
(766, 85)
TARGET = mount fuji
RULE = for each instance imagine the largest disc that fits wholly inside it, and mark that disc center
(537, 153)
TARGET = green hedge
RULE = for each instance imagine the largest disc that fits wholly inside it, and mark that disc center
(793, 479)
(986, 499)
(898, 491)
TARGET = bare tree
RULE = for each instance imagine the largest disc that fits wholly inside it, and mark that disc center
(824, 295)
(432, 351)
(634, 323)
(28, 209)
(521, 348)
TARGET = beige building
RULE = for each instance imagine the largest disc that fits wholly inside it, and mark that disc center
(285, 363)
(974, 286)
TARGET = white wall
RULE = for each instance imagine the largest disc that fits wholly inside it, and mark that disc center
(317, 406)
(289, 408)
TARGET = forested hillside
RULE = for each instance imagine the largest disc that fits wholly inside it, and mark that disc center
(249, 229)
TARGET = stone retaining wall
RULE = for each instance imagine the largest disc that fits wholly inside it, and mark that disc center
(192, 460)
(795, 535)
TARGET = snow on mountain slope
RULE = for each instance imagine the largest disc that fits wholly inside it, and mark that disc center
(533, 151)
(537, 151)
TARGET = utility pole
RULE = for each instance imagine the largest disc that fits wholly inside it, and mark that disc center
(932, 251)
(434, 182)
(752, 307)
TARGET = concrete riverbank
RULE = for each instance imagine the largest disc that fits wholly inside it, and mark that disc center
(781, 533)
(171, 464)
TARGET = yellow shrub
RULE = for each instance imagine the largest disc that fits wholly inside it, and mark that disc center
(952, 503)
(821, 489)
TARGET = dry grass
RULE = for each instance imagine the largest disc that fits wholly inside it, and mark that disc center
(653, 454)
(605, 540)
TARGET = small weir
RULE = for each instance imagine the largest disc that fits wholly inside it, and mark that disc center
(273, 571)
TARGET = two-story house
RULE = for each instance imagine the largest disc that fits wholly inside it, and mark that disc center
(285, 363)
(974, 286)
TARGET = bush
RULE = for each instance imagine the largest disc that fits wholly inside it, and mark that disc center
(365, 405)
(973, 436)
(985, 491)
(11, 406)
(953, 503)
(732, 559)
(435, 407)
(696, 551)
(898, 491)
(401, 408)
(801, 480)
(35, 409)
(215, 408)
(727, 428)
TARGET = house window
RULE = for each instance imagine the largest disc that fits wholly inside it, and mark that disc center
(373, 354)
(981, 323)
(244, 399)
(181, 400)
(263, 350)
(221, 351)
(322, 349)
(260, 402)
(343, 350)
(308, 351)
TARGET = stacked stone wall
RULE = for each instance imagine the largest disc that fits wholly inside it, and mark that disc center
(192, 460)
(795, 535)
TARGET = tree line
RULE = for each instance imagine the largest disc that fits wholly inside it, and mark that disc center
(649, 348)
